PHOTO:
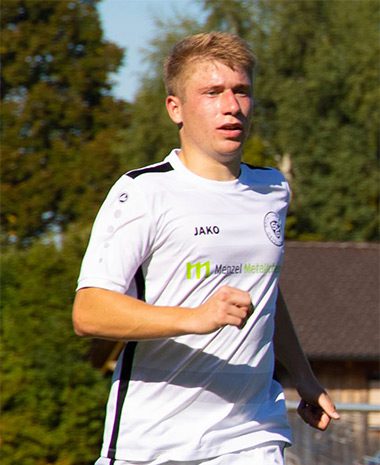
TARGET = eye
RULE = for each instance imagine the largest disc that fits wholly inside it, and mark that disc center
(212, 92)
(243, 91)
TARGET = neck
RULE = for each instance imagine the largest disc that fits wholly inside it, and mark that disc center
(211, 168)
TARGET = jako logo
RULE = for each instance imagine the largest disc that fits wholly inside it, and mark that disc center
(196, 268)
(198, 231)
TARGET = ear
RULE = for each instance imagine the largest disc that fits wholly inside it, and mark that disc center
(174, 108)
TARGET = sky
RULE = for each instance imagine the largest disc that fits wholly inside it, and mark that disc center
(130, 24)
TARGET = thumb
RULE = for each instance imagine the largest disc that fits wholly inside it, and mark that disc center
(328, 407)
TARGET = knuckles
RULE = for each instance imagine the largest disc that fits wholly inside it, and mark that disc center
(224, 293)
(228, 306)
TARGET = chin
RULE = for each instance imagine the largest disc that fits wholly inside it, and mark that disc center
(227, 159)
(231, 150)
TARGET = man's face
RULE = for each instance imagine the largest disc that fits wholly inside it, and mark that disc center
(214, 110)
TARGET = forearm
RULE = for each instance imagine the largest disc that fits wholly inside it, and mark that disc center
(111, 315)
(316, 408)
(288, 349)
(106, 314)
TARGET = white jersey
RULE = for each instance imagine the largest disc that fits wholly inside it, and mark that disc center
(173, 238)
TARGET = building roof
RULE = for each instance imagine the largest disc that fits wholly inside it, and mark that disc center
(332, 292)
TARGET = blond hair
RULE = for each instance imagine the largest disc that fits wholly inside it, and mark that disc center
(224, 47)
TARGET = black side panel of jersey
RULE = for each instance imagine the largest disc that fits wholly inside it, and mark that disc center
(125, 376)
(125, 373)
(163, 168)
(140, 284)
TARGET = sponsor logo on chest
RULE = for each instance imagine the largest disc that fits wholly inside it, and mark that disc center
(201, 270)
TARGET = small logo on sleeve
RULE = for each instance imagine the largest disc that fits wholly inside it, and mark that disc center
(123, 197)
(273, 228)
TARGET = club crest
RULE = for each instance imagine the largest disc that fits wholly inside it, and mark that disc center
(273, 228)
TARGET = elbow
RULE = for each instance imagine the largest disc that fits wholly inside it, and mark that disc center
(79, 329)
(81, 322)
(79, 326)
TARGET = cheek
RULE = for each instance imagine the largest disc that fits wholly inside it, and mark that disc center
(246, 106)
(202, 114)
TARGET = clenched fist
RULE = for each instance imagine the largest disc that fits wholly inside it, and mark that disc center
(228, 306)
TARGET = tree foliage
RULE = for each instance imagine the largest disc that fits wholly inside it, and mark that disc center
(231, 15)
(52, 398)
(318, 91)
(151, 134)
(316, 95)
(59, 119)
(317, 105)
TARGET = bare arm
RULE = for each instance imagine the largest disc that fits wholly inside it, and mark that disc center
(316, 408)
(111, 315)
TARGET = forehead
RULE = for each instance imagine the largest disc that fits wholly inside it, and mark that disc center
(209, 73)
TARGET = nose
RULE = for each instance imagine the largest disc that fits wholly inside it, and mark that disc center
(230, 104)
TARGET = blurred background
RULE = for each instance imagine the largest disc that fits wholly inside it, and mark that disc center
(79, 110)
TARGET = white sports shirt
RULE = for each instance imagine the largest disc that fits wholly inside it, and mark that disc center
(171, 237)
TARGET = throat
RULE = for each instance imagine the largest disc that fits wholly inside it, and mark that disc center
(211, 168)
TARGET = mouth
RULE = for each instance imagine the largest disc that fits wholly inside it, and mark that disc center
(233, 130)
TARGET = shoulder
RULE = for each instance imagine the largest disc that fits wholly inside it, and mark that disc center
(140, 187)
(149, 179)
(156, 169)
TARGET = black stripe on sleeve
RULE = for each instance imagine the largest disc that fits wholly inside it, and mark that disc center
(162, 168)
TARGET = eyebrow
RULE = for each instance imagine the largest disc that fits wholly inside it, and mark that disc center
(238, 87)
(211, 87)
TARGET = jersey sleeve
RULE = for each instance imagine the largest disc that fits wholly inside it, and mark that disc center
(120, 239)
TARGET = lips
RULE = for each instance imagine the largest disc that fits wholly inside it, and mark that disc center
(231, 130)
(231, 127)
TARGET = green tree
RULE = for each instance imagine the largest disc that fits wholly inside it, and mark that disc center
(235, 16)
(317, 104)
(319, 88)
(52, 398)
(151, 134)
(60, 122)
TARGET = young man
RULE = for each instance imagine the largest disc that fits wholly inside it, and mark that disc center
(183, 265)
